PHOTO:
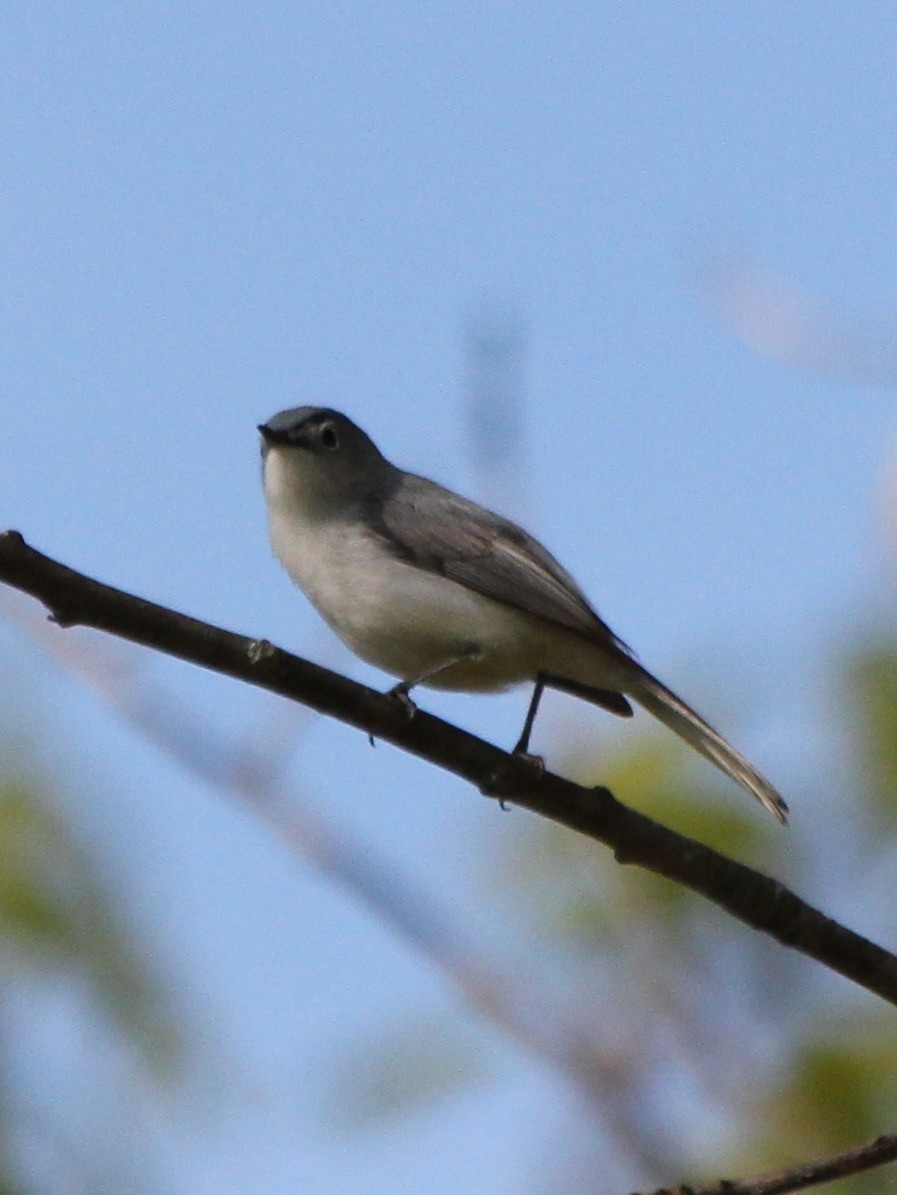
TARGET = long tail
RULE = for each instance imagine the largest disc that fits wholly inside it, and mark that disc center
(658, 700)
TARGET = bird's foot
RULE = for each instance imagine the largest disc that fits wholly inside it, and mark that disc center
(399, 694)
(499, 785)
(536, 762)
(502, 782)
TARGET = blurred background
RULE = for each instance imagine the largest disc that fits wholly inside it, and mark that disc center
(623, 272)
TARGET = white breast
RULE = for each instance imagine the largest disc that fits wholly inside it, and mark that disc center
(398, 617)
(405, 619)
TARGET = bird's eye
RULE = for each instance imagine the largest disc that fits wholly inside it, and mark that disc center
(329, 437)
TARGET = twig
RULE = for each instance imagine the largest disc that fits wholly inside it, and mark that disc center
(800, 1178)
(759, 901)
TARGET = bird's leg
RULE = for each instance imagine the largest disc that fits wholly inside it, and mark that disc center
(403, 688)
(522, 747)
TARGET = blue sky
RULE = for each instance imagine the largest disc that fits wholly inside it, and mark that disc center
(211, 212)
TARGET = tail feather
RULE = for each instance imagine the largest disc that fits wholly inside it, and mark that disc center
(660, 701)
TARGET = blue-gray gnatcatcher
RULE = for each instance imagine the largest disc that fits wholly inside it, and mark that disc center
(438, 591)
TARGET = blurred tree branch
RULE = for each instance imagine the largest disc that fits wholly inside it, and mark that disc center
(783, 321)
(762, 903)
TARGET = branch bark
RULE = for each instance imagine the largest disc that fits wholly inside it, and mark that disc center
(758, 901)
(801, 1178)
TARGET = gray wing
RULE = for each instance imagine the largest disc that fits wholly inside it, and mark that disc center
(432, 528)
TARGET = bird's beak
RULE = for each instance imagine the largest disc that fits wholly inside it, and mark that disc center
(270, 436)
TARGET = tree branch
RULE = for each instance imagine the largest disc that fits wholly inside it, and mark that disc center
(759, 901)
(800, 1178)
(505, 991)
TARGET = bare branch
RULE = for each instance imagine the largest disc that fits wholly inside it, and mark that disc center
(75, 599)
(756, 899)
(801, 1178)
(547, 1024)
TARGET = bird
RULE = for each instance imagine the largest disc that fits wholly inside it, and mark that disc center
(438, 591)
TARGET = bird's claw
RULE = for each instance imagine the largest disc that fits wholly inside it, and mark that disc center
(498, 785)
(399, 694)
(536, 762)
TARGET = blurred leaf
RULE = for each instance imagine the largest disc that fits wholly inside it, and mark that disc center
(61, 921)
(55, 912)
(839, 1089)
(872, 675)
(656, 776)
(575, 888)
(407, 1067)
